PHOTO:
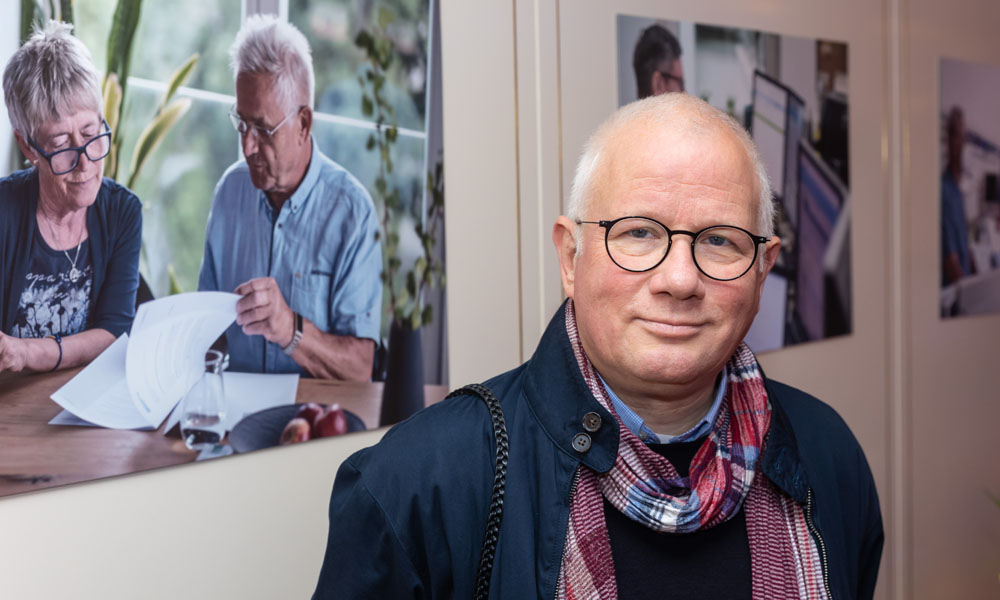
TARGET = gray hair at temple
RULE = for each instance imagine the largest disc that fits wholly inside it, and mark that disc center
(267, 45)
(697, 115)
(50, 77)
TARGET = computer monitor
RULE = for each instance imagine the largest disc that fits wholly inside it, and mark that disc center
(767, 126)
(777, 124)
(822, 271)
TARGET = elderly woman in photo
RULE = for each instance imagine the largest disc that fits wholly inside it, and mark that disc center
(69, 239)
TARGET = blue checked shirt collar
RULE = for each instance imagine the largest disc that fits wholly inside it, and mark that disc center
(636, 425)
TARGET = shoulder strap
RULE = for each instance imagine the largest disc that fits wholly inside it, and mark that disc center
(499, 482)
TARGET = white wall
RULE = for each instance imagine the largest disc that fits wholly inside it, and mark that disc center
(949, 455)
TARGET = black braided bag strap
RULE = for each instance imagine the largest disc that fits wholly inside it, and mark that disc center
(499, 482)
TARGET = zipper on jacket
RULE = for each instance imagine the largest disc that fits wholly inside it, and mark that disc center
(562, 556)
(819, 539)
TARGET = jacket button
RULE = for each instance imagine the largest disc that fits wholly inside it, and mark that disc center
(581, 442)
(591, 422)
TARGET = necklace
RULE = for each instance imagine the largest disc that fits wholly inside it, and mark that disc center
(74, 273)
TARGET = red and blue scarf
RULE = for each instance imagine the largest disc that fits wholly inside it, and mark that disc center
(724, 474)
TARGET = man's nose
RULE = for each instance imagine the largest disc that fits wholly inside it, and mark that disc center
(250, 142)
(677, 275)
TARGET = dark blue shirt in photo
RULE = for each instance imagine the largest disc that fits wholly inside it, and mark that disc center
(56, 294)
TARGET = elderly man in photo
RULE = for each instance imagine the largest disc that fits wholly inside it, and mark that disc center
(649, 457)
(290, 230)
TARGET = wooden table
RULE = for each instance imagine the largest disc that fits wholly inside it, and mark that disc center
(35, 455)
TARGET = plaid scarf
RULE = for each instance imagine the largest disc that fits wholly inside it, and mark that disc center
(645, 487)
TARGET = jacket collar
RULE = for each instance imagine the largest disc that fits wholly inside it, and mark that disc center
(559, 398)
(781, 461)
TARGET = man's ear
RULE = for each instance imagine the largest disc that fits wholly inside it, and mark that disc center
(305, 118)
(657, 83)
(564, 237)
(771, 249)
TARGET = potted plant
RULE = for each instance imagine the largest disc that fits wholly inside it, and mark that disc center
(403, 285)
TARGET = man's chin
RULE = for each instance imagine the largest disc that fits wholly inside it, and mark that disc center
(260, 180)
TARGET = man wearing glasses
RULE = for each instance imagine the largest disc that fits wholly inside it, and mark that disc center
(657, 63)
(648, 454)
(291, 231)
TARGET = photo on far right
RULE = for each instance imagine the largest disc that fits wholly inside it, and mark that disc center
(970, 201)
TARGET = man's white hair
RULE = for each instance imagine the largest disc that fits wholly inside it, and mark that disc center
(50, 77)
(695, 115)
(267, 45)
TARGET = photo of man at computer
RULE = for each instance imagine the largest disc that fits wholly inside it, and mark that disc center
(970, 202)
(791, 93)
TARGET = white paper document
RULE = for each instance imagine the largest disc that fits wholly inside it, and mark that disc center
(99, 394)
(138, 380)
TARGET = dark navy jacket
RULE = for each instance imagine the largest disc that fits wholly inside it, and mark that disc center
(407, 516)
(114, 228)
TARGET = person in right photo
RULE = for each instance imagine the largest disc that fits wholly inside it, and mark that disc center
(657, 63)
(647, 453)
(956, 257)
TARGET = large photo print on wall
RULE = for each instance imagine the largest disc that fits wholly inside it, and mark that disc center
(262, 262)
(970, 199)
(791, 93)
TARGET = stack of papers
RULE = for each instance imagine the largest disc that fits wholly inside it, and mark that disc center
(140, 379)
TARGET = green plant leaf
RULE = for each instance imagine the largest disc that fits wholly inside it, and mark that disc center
(178, 79)
(402, 300)
(154, 133)
(28, 8)
(112, 101)
(112, 113)
(367, 108)
(363, 40)
(428, 315)
(383, 52)
(66, 11)
(415, 320)
(370, 143)
(411, 283)
(391, 133)
(175, 285)
(124, 24)
(385, 17)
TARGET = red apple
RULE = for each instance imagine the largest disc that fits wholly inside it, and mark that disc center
(310, 412)
(297, 430)
(332, 422)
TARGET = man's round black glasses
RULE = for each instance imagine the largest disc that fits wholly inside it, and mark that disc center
(638, 244)
(65, 160)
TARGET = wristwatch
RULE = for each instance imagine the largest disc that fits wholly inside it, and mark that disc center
(296, 337)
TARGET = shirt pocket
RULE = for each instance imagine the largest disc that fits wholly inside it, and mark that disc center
(311, 296)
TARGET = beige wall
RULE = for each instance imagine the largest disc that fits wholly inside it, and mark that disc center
(951, 394)
(523, 83)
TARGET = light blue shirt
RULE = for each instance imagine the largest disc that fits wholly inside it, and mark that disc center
(636, 425)
(321, 247)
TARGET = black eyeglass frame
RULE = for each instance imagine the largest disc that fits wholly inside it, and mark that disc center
(261, 133)
(607, 225)
(78, 149)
